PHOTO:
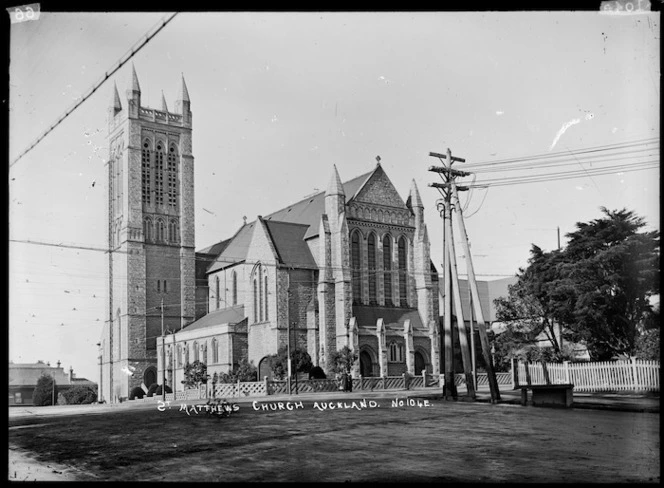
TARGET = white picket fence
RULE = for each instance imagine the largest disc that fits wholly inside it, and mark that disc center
(633, 374)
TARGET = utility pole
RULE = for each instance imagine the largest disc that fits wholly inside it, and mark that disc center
(450, 190)
(110, 282)
(472, 336)
(163, 354)
(484, 338)
(288, 335)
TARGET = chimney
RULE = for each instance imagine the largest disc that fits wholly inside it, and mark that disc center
(71, 374)
(58, 363)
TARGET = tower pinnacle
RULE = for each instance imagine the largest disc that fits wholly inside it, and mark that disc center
(115, 101)
(335, 187)
(415, 199)
(134, 80)
(164, 107)
(184, 93)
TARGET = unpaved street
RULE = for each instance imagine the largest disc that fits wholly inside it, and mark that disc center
(444, 441)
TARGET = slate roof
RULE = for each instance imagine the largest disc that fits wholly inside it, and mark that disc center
(230, 315)
(288, 239)
(393, 317)
(306, 212)
(309, 210)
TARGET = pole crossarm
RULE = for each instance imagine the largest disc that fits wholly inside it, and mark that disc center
(448, 185)
(444, 156)
(449, 171)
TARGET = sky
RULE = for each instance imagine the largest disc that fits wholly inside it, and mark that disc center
(279, 98)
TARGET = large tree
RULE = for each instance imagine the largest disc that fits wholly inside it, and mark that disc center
(598, 289)
(46, 391)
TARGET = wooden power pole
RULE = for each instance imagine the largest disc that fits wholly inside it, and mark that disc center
(450, 190)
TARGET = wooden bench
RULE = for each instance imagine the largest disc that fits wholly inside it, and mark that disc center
(548, 395)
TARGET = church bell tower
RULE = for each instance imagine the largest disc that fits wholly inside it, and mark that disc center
(151, 267)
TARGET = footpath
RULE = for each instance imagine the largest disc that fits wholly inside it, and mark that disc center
(622, 401)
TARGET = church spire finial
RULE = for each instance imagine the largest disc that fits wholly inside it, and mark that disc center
(134, 80)
(378, 160)
(415, 199)
(164, 107)
(184, 93)
(115, 102)
(335, 187)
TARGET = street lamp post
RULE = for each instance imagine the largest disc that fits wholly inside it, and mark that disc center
(163, 355)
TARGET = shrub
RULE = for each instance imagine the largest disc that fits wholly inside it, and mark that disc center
(300, 362)
(343, 360)
(43, 394)
(317, 373)
(194, 374)
(155, 389)
(136, 392)
(244, 371)
(80, 395)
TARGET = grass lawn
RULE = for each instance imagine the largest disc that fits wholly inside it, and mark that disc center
(444, 442)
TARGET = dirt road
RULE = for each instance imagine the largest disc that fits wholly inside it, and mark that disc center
(351, 441)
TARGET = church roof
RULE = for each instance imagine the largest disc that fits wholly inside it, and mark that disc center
(288, 239)
(230, 315)
(309, 210)
(393, 317)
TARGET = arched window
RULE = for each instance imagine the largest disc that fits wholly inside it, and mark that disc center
(396, 353)
(159, 175)
(160, 230)
(216, 292)
(387, 269)
(371, 262)
(255, 300)
(172, 176)
(265, 300)
(145, 172)
(172, 231)
(178, 356)
(158, 286)
(356, 264)
(234, 287)
(204, 351)
(186, 354)
(215, 351)
(147, 230)
(165, 287)
(260, 295)
(403, 290)
(196, 350)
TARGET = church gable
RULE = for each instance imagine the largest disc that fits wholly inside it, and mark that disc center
(379, 190)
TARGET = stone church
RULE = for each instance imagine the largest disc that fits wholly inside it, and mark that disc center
(347, 266)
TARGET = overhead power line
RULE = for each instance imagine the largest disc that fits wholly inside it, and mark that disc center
(123, 60)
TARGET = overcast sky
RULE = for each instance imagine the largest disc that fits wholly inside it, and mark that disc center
(278, 98)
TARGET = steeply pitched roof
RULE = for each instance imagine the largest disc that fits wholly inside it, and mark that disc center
(288, 240)
(236, 250)
(393, 317)
(230, 315)
(306, 212)
(309, 210)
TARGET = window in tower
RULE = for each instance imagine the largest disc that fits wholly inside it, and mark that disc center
(158, 286)
(145, 172)
(371, 262)
(147, 230)
(159, 175)
(172, 231)
(387, 269)
(172, 177)
(160, 230)
(403, 294)
(356, 264)
(165, 287)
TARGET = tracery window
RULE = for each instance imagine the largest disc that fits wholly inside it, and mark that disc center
(147, 230)
(159, 175)
(356, 266)
(160, 230)
(172, 231)
(172, 177)
(255, 300)
(403, 290)
(387, 269)
(265, 300)
(145, 173)
(371, 262)
(396, 352)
